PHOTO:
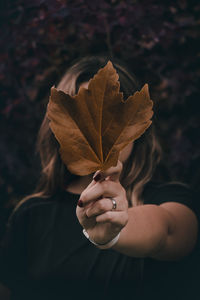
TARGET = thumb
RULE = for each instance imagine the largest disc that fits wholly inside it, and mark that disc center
(113, 173)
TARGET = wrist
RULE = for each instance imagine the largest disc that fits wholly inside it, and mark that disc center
(102, 246)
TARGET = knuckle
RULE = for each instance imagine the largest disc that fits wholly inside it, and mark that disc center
(125, 219)
(101, 205)
(123, 191)
(126, 205)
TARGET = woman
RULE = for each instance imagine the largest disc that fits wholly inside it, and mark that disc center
(126, 217)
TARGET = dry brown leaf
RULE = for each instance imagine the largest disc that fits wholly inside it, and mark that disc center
(93, 126)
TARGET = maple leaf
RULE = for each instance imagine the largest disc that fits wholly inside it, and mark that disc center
(93, 126)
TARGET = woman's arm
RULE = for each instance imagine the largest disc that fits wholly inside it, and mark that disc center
(166, 232)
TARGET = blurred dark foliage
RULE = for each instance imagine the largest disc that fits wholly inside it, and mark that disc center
(39, 40)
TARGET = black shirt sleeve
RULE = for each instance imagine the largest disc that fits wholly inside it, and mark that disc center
(170, 192)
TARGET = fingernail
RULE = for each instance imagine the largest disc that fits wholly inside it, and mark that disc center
(80, 203)
(97, 177)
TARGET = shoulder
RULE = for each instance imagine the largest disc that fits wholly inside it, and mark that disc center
(158, 193)
(155, 187)
(41, 209)
(26, 208)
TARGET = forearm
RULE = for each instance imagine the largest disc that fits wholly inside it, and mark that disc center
(167, 231)
(148, 231)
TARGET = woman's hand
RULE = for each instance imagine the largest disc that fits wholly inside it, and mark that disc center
(96, 213)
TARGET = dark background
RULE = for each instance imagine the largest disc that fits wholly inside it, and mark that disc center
(40, 39)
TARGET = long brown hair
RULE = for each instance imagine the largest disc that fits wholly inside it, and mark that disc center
(139, 167)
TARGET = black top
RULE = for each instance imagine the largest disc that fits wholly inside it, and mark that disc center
(44, 254)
